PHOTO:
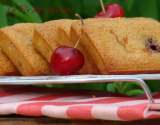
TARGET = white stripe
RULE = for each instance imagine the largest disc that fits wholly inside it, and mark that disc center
(55, 111)
(105, 113)
(86, 99)
(6, 109)
(25, 96)
(21, 97)
(67, 99)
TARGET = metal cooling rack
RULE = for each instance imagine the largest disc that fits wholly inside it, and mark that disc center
(78, 79)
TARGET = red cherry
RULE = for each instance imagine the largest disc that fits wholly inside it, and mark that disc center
(66, 61)
(112, 10)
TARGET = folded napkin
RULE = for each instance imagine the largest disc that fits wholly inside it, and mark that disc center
(76, 104)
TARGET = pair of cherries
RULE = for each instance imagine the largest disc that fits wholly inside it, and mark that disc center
(68, 60)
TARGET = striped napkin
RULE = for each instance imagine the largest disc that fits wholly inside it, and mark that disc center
(76, 104)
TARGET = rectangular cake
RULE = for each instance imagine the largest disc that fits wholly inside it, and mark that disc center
(16, 43)
(44, 37)
(124, 45)
(63, 38)
(75, 34)
(48, 36)
(7, 68)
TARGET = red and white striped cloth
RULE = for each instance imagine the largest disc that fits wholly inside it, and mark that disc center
(79, 104)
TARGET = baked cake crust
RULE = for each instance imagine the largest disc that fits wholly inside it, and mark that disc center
(119, 45)
(21, 52)
(44, 37)
(75, 33)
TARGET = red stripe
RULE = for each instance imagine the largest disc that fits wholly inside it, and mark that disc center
(135, 112)
(30, 109)
(34, 109)
(153, 116)
(80, 112)
(131, 112)
(157, 96)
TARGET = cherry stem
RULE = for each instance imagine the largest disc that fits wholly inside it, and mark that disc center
(102, 7)
(77, 42)
(77, 15)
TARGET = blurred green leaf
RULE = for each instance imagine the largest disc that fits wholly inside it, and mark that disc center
(110, 87)
(105, 2)
(50, 85)
(19, 14)
(33, 15)
(125, 87)
(129, 85)
(88, 86)
(3, 17)
(117, 86)
(55, 85)
(76, 5)
(148, 8)
(154, 85)
(135, 92)
(90, 8)
(129, 4)
(60, 6)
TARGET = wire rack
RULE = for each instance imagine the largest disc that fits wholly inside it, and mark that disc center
(78, 79)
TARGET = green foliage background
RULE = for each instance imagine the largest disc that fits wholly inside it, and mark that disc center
(87, 9)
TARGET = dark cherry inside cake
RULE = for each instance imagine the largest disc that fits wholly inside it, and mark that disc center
(153, 45)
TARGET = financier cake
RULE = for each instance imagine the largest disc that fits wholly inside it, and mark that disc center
(75, 34)
(44, 37)
(17, 44)
(50, 35)
(7, 68)
(124, 45)
(63, 38)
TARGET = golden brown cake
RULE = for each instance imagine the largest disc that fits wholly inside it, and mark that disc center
(26, 29)
(63, 38)
(124, 45)
(17, 44)
(75, 33)
(48, 36)
(7, 68)
(44, 37)
(63, 33)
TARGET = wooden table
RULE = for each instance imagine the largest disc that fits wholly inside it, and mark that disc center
(22, 120)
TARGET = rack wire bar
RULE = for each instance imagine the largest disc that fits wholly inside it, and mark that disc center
(52, 79)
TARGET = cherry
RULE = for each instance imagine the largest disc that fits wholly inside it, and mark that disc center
(152, 45)
(67, 60)
(112, 10)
